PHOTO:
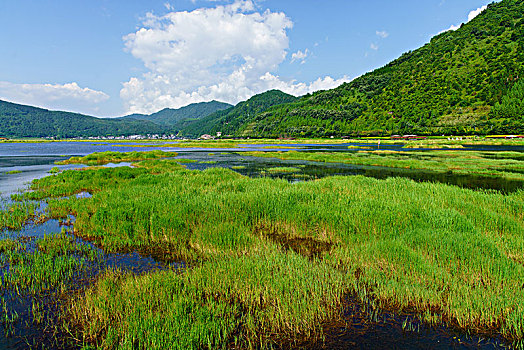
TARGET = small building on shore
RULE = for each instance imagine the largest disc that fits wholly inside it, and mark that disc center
(408, 137)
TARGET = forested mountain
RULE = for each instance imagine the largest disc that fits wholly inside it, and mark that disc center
(26, 121)
(449, 86)
(171, 117)
(239, 117)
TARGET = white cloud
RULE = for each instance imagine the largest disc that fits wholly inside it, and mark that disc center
(298, 89)
(300, 56)
(476, 12)
(471, 15)
(383, 34)
(228, 53)
(373, 46)
(53, 96)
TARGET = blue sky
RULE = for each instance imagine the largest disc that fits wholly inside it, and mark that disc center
(109, 58)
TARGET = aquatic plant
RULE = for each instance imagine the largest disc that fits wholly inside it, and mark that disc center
(15, 215)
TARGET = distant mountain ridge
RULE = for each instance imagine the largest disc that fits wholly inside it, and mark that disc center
(26, 121)
(171, 117)
(239, 117)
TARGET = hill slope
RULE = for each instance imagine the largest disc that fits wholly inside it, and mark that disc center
(26, 121)
(171, 117)
(447, 86)
(236, 118)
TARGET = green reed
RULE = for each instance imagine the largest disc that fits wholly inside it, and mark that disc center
(14, 216)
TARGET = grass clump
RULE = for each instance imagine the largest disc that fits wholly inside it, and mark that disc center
(57, 259)
(101, 158)
(231, 302)
(282, 169)
(16, 215)
(8, 245)
(186, 161)
(11, 172)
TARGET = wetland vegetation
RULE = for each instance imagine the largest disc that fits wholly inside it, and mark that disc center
(270, 263)
(272, 260)
(102, 158)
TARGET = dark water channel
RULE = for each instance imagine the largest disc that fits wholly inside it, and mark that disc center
(365, 328)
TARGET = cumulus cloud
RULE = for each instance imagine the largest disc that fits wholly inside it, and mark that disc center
(53, 96)
(373, 46)
(227, 52)
(471, 15)
(298, 89)
(300, 56)
(382, 33)
(476, 12)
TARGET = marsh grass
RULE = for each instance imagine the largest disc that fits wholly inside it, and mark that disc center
(56, 259)
(231, 302)
(36, 277)
(185, 161)
(116, 157)
(273, 260)
(14, 216)
(282, 169)
(494, 164)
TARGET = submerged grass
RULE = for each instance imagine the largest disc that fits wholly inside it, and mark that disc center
(116, 157)
(273, 259)
(56, 260)
(499, 164)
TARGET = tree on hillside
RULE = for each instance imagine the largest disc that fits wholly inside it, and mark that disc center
(512, 105)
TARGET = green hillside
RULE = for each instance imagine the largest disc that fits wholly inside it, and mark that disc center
(170, 117)
(236, 118)
(448, 86)
(26, 121)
